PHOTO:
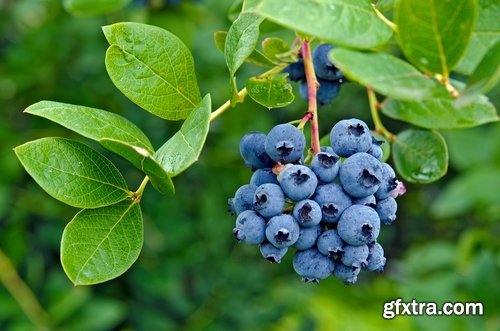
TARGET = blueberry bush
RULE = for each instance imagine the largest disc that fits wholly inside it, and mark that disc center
(297, 89)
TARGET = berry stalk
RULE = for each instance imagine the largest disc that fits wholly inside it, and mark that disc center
(312, 86)
(374, 107)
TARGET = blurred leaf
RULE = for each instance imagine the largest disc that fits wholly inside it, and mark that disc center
(386, 146)
(475, 188)
(101, 315)
(485, 34)
(153, 68)
(429, 259)
(249, 5)
(272, 47)
(275, 92)
(112, 131)
(428, 31)
(351, 23)
(256, 57)
(385, 5)
(101, 244)
(384, 73)
(93, 7)
(483, 277)
(72, 172)
(420, 156)
(487, 73)
(442, 113)
(184, 148)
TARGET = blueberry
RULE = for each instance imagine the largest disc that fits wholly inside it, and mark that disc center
(282, 231)
(333, 201)
(325, 166)
(285, 143)
(298, 182)
(326, 92)
(361, 175)
(268, 200)
(330, 243)
(296, 71)
(307, 213)
(327, 149)
(355, 256)
(349, 275)
(307, 237)
(303, 90)
(323, 67)
(375, 149)
(369, 201)
(243, 198)
(271, 253)
(359, 225)
(250, 228)
(263, 176)
(252, 150)
(386, 210)
(312, 266)
(388, 182)
(376, 259)
(350, 136)
(231, 209)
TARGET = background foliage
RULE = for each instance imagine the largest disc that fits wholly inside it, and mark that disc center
(191, 275)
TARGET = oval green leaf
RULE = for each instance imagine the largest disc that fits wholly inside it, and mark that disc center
(153, 68)
(101, 244)
(428, 31)
(184, 147)
(72, 172)
(350, 23)
(487, 73)
(442, 113)
(256, 57)
(272, 92)
(274, 48)
(420, 156)
(384, 73)
(93, 7)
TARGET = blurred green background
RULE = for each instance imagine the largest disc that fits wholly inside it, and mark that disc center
(191, 274)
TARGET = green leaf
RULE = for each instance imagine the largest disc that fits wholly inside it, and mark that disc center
(249, 5)
(485, 34)
(420, 156)
(153, 68)
(429, 30)
(442, 113)
(241, 40)
(256, 57)
(350, 23)
(273, 47)
(101, 244)
(487, 73)
(270, 92)
(476, 188)
(184, 148)
(385, 5)
(93, 7)
(72, 172)
(112, 131)
(384, 73)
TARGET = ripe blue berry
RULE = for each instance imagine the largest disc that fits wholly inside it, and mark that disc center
(326, 92)
(307, 213)
(386, 210)
(349, 275)
(312, 266)
(375, 149)
(250, 228)
(369, 201)
(330, 243)
(360, 175)
(263, 176)
(268, 200)
(350, 136)
(333, 201)
(307, 237)
(327, 149)
(388, 182)
(271, 253)
(355, 256)
(323, 67)
(376, 259)
(253, 152)
(285, 143)
(296, 71)
(298, 182)
(243, 198)
(359, 225)
(282, 231)
(325, 166)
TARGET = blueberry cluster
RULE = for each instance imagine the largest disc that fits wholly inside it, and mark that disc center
(329, 210)
(329, 77)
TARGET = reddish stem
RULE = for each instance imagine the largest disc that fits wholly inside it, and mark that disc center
(312, 86)
(307, 117)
